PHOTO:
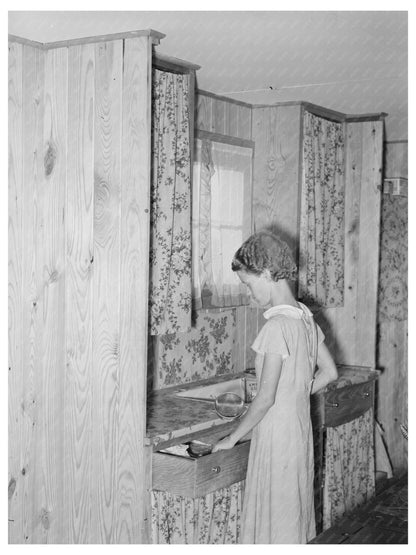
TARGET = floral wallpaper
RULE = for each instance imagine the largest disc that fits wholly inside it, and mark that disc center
(170, 214)
(392, 300)
(212, 519)
(205, 351)
(349, 467)
(321, 249)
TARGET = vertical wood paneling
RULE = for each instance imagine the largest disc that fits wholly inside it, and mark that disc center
(340, 326)
(392, 403)
(15, 339)
(78, 230)
(219, 123)
(370, 203)
(79, 294)
(244, 122)
(392, 399)
(106, 280)
(347, 315)
(32, 327)
(222, 116)
(232, 119)
(276, 171)
(203, 119)
(146, 536)
(396, 159)
(135, 201)
(275, 131)
(51, 273)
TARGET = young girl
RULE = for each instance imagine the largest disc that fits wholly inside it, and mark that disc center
(278, 501)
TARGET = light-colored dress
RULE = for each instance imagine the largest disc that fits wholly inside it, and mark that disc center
(278, 502)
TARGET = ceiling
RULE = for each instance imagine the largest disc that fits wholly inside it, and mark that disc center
(353, 62)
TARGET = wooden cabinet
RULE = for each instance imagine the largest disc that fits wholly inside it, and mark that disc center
(196, 477)
(80, 143)
(344, 401)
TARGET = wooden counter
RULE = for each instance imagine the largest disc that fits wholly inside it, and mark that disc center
(170, 418)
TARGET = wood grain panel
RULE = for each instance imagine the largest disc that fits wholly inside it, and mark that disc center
(15, 279)
(276, 171)
(106, 283)
(347, 315)
(244, 122)
(392, 402)
(203, 118)
(232, 112)
(79, 294)
(133, 287)
(223, 116)
(77, 361)
(276, 133)
(146, 533)
(51, 274)
(392, 399)
(32, 326)
(219, 119)
(396, 159)
(370, 203)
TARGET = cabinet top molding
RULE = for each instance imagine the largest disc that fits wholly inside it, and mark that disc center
(155, 35)
(326, 112)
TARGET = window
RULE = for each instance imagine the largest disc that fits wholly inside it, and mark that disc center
(221, 218)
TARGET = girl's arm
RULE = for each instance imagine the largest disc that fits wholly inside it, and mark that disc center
(327, 371)
(265, 398)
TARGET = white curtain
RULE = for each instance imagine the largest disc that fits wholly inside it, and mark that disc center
(221, 221)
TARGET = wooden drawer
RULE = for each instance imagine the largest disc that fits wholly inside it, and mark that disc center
(348, 403)
(197, 477)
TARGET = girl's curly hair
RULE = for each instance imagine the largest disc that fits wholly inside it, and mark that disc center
(265, 251)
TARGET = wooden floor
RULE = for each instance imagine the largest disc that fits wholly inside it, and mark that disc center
(382, 521)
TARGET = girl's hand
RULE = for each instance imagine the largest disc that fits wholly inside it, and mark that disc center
(225, 443)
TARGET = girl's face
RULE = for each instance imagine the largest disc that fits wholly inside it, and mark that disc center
(259, 287)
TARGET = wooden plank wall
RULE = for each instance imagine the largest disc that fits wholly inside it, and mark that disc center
(222, 115)
(276, 131)
(227, 117)
(392, 348)
(79, 173)
(351, 330)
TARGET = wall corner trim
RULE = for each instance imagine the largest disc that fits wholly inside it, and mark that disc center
(156, 37)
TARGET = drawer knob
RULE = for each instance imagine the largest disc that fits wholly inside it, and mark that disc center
(333, 405)
(216, 469)
(366, 394)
